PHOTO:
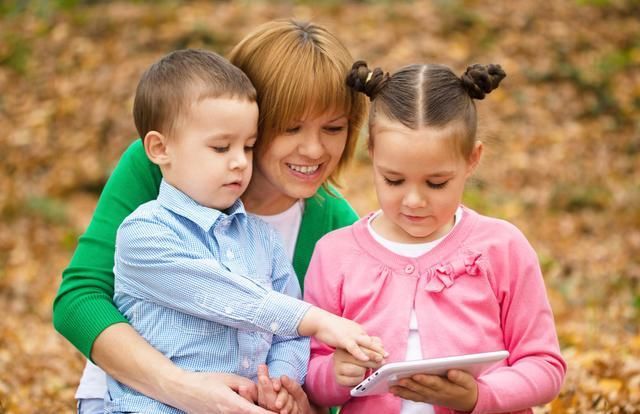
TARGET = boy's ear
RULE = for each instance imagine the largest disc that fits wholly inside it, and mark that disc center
(474, 158)
(155, 145)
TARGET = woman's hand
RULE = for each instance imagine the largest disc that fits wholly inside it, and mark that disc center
(350, 371)
(458, 391)
(211, 392)
(341, 333)
(128, 358)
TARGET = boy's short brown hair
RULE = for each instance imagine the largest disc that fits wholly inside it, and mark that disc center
(169, 86)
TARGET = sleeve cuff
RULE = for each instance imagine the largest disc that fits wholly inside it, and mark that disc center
(281, 314)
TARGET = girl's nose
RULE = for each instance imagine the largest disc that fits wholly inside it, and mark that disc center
(414, 199)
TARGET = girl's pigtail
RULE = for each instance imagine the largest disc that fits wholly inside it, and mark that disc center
(479, 80)
(361, 79)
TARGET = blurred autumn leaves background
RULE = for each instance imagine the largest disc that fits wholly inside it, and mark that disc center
(562, 133)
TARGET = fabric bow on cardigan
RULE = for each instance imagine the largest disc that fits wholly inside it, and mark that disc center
(443, 275)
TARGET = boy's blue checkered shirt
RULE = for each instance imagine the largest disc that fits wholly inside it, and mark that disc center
(213, 291)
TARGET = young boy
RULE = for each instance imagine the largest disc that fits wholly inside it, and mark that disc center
(205, 283)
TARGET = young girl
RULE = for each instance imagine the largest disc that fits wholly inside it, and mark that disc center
(431, 277)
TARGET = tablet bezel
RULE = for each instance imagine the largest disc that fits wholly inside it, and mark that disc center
(380, 381)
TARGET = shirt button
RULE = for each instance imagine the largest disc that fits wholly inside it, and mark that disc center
(274, 326)
(245, 363)
(230, 254)
(228, 310)
(408, 269)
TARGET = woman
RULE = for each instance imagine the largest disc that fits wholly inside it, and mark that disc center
(308, 127)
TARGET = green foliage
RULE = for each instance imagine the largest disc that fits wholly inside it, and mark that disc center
(598, 3)
(456, 16)
(574, 197)
(16, 53)
(474, 198)
(47, 8)
(202, 37)
(52, 210)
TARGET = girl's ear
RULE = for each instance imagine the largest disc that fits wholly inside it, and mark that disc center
(474, 158)
(155, 145)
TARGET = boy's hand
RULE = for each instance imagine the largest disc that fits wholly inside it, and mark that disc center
(350, 371)
(272, 395)
(341, 333)
(458, 391)
(298, 394)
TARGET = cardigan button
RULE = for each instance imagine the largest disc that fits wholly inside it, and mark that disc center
(408, 269)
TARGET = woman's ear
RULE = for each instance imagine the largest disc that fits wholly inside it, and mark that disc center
(155, 145)
(474, 158)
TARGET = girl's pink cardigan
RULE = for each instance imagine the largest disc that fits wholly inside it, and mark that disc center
(479, 290)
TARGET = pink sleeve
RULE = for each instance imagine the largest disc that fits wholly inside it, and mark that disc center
(322, 288)
(536, 370)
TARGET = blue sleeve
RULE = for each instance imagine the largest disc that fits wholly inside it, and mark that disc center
(288, 355)
(152, 265)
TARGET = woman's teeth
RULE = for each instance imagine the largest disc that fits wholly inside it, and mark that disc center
(304, 169)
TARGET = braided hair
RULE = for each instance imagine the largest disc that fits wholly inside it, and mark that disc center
(426, 95)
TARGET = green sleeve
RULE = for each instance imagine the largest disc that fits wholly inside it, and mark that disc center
(84, 307)
(323, 213)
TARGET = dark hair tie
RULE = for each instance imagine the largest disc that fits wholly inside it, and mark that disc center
(361, 79)
(479, 80)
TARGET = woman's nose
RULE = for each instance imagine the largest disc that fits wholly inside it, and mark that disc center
(311, 145)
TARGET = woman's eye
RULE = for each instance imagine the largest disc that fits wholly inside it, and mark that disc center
(248, 148)
(221, 150)
(335, 129)
(292, 130)
(437, 186)
(392, 182)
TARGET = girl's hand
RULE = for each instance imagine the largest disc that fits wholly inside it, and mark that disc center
(350, 371)
(458, 391)
(341, 333)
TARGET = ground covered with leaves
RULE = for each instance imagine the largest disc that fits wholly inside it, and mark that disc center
(562, 134)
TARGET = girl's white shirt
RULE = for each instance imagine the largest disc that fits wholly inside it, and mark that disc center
(414, 349)
(93, 383)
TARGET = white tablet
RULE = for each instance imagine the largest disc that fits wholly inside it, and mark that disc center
(388, 374)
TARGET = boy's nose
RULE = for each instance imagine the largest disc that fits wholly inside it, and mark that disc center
(239, 161)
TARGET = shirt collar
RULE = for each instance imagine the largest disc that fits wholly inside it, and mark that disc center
(178, 202)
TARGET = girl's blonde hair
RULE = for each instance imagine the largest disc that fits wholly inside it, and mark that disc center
(299, 70)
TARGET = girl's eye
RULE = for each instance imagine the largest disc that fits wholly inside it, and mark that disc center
(248, 148)
(392, 182)
(221, 150)
(437, 186)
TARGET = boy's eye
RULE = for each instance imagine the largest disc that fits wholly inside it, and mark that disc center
(392, 182)
(221, 150)
(437, 186)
